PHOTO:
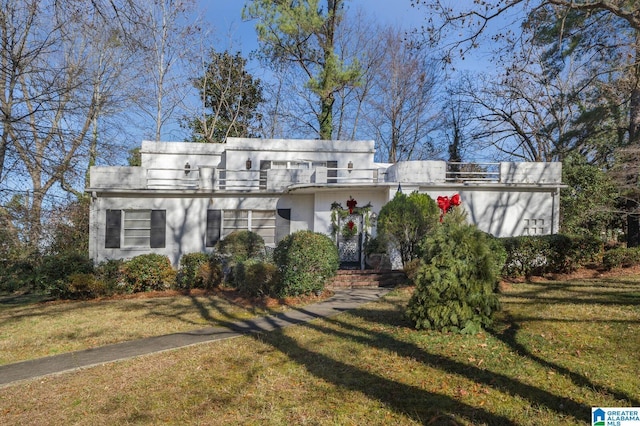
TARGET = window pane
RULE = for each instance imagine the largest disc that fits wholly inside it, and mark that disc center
(263, 223)
(137, 228)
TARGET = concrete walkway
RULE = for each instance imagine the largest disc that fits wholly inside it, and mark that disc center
(342, 300)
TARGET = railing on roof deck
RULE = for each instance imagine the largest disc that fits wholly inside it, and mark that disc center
(256, 180)
(166, 178)
(347, 175)
(473, 172)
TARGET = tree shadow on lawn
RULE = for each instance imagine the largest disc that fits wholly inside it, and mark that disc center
(506, 384)
(419, 404)
(509, 337)
(574, 293)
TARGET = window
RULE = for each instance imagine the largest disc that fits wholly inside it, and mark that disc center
(135, 228)
(221, 223)
(272, 164)
(533, 227)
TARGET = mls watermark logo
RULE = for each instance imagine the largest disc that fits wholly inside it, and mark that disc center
(615, 416)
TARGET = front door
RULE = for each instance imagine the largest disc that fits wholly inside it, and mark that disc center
(350, 241)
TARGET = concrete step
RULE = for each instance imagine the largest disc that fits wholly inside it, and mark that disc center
(367, 278)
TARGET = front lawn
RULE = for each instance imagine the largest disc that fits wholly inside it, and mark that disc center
(557, 349)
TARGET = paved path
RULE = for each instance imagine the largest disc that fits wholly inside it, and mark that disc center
(343, 300)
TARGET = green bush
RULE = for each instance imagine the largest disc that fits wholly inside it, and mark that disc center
(148, 272)
(536, 255)
(456, 286)
(526, 256)
(190, 265)
(15, 275)
(242, 245)
(109, 272)
(375, 245)
(58, 267)
(79, 286)
(405, 220)
(621, 257)
(305, 260)
(210, 274)
(255, 278)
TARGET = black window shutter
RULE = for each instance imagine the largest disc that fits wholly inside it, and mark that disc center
(283, 224)
(158, 228)
(332, 173)
(112, 232)
(213, 227)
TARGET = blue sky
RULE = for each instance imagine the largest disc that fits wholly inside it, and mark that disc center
(225, 16)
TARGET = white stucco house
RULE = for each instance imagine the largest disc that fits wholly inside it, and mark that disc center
(185, 197)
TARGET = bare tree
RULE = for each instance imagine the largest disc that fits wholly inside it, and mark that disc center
(171, 31)
(23, 40)
(64, 68)
(604, 34)
(401, 112)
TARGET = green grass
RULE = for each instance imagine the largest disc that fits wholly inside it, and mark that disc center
(556, 350)
(31, 330)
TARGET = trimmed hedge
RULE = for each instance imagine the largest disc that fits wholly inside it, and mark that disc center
(242, 245)
(537, 255)
(621, 257)
(255, 278)
(305, 260)
(148, 272)
(188, 276)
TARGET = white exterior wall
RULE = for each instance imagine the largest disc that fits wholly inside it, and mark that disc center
(186, 220)
(525, 192)
(185, 231)
(507, 212)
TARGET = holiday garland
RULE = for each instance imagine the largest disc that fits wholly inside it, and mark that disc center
(350, 228)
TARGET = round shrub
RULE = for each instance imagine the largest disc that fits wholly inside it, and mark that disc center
(190, 264)
(621, 257)
(242, 245)
(255, 278)
(305, 260)
(210, 275)
(455, 287)
(110, 273)
(405, 220)
(148, 272)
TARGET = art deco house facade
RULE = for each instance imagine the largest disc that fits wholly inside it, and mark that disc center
(185, 197)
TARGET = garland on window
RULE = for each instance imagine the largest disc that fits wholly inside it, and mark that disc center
(349, 229)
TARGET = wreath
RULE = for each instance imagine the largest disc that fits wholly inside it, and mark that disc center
(350, 228)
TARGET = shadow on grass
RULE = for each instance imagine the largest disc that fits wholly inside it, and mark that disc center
(571, 292)
(501, 382)
(419, 404)
(509, 337)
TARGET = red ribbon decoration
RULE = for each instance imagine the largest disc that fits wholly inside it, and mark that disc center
(350, 224)
(351, 204)
(446, 204)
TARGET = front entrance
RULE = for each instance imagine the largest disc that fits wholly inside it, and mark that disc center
(350, 240)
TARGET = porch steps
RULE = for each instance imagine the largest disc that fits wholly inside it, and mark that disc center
(367, 278)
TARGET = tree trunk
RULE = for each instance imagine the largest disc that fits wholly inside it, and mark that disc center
(633, 219)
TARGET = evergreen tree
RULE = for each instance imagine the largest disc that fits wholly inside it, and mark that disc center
(304, 33)
(230, 97)
(455, 286)
(405, 220)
